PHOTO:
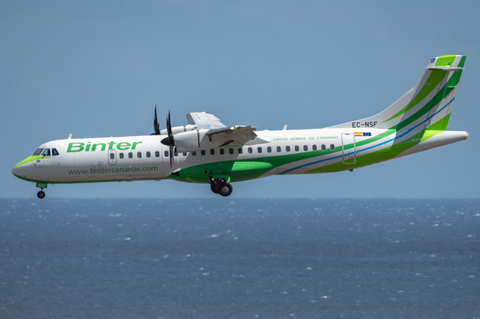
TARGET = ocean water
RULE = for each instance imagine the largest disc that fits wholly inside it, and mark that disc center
(239, 258)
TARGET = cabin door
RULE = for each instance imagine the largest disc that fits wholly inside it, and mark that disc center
(349, 149)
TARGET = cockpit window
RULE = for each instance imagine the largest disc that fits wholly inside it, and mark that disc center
(38, 152)
(54, 152)
(46, 152)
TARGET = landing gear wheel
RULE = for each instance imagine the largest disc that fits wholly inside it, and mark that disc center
(41, 194)
(214, 187)
(225, 189)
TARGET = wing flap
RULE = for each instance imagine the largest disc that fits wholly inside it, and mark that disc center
(239, 134)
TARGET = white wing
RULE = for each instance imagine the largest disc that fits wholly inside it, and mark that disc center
(204, 120)
(218, 132)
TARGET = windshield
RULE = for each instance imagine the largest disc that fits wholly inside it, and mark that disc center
(46, 152)
(38, 152)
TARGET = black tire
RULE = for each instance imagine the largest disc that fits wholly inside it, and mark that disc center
(214, 187)
(225, 189)
(41, 194)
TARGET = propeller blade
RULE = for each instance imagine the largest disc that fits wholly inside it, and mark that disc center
(169, 127)
(169, 140)
(156, 126)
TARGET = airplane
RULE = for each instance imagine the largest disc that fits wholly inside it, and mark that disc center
(206, 151)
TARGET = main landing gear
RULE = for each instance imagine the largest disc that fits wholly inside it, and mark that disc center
(220, 186)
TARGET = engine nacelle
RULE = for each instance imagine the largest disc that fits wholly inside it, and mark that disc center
(196, 140)
(179, 129)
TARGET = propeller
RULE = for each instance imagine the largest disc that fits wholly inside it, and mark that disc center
(156, 126)
(170, 141)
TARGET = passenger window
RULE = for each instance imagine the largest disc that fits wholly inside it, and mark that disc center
(121, 155)
(324, 147)
(148, 154)
(194, 153)
(130, 155)
(212, 152)
(46, 152)
(250, 150)
(230, 150)
(240, 150)
(157, 154)
(287, 148)
(165, 153)
(54, 152)
(139, 154)
(175, 153)
(203, 152)
(314, 147)
(38, 152)
(222, 151)
(297, 148)
(279, 149)
(332, 147)
(259, 150)
(269, 149)
(112, 156)
(184, 154)
(305, 148)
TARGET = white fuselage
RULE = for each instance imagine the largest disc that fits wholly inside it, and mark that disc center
(144, 157)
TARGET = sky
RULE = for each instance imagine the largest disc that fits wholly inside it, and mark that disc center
(97, 69)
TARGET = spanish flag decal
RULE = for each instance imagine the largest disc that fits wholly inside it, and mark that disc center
(362, 134)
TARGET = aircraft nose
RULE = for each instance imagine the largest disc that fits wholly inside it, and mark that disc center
(17, 169)
(20, 169)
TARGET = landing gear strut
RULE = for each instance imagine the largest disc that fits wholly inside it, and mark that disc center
(220, 186)
(41, 193)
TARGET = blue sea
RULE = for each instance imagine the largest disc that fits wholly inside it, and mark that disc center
(239, 258)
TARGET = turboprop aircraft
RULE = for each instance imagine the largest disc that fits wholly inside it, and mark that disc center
(206, 151)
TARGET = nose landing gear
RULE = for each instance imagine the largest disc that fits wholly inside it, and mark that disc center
(41, 193)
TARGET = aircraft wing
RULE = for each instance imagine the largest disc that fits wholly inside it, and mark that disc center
(239, 134)
(204, 120)
(218, 132)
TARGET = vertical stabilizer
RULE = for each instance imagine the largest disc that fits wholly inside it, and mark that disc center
(427, 105)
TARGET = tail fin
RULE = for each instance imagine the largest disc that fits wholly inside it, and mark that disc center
(427, 105)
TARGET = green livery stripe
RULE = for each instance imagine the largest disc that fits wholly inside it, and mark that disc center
(445, 60)
(381, 155)
(430, 133)
(371, 140)
(241, 170)
(196, 174)
(433, 80)
(83, 182)
(440, 125)
(452, 82)
(30, 159)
